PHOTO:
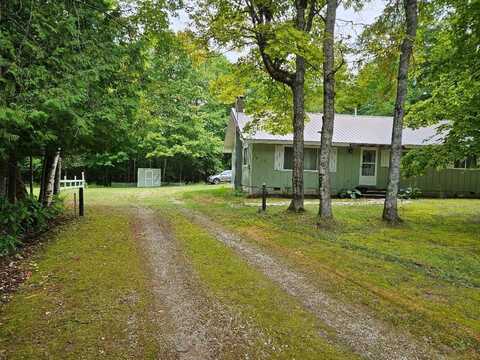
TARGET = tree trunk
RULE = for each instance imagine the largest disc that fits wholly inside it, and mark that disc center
(298, 89)
(297, 203)
(20, 189)
(3, 177)
(50, 179)
(164, 168)
(390, 211)
(58, 175)
(134, 170)
(325, 206)
(42, 178)
(12, 178)
(31, 176)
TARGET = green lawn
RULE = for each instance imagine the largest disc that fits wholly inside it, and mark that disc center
(423, 275)
(89, 297)
(290, 332)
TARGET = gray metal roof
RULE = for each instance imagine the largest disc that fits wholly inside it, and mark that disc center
(348, 129)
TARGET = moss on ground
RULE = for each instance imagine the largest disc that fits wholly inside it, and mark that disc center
(423, 275)
(89, 298)
(91, 294)
(290, 331)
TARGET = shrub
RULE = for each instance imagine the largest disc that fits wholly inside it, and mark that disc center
(23, 219)
(409, 193)
(349, 194)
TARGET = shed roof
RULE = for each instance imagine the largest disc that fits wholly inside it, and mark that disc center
(348, 129)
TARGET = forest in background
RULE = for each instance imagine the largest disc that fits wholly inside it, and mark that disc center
(104, 87)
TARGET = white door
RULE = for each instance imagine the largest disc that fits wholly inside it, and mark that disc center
(368, 167)
(149, 177)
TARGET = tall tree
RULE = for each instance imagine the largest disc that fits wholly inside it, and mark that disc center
(325, 208)
(448, 74)
(281, 33)
(390, 210)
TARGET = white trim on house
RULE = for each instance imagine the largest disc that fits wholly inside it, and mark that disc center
(333, 160)
(367, 180)
(278, 161)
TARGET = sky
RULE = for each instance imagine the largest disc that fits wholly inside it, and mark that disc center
(349, 22)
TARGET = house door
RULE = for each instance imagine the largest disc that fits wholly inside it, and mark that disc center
(149, 177)
(368, 167)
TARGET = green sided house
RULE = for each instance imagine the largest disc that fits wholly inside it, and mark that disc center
(360, 157)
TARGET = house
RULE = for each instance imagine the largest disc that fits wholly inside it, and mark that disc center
(359, 159)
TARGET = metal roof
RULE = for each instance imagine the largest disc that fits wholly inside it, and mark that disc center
(348, 129)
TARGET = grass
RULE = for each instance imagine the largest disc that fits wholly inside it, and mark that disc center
(289, 330)
(88, 298)
(423, 276)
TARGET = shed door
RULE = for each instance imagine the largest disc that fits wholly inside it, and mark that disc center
(149, 177)
(368, 167)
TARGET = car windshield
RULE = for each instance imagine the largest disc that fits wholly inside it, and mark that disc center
(227, 172)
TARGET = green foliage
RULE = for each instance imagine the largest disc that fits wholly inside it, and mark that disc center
(23, 219)
(409, 193)
(179, 121)
(349, 194)
(449, 75)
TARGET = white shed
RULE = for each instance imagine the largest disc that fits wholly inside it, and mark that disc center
(148, 177)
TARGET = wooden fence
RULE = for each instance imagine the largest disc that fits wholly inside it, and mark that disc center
(73, 184)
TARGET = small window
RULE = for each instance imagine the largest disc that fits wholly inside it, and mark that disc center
(288, 158)
(309, 158)
(467, 163)
(245, 156)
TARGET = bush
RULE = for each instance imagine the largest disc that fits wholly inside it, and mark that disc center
(25, 218)
(409, 193)
(349, 194)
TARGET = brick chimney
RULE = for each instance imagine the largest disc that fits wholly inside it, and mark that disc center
(240, 104)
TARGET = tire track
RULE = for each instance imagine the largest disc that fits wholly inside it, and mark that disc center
(366, 335)
(202, 328)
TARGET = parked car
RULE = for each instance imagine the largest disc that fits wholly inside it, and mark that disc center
(224, 176)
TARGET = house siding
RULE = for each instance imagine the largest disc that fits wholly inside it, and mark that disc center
(260, 169)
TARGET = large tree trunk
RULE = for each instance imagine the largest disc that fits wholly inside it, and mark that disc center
(298, 90)
(20, 189)
(50, 179)
(325, 206)
(390, 212)
(298, 142)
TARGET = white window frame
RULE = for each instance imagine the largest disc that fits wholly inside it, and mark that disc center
(333, 159)
(452, 165)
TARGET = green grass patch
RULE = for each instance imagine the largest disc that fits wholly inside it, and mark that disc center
(88, 298)
(293, 332)
(423, 275)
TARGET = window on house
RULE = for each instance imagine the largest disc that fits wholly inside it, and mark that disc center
(309, 156)
(468, 163)
(245, 156)
(288, 158)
